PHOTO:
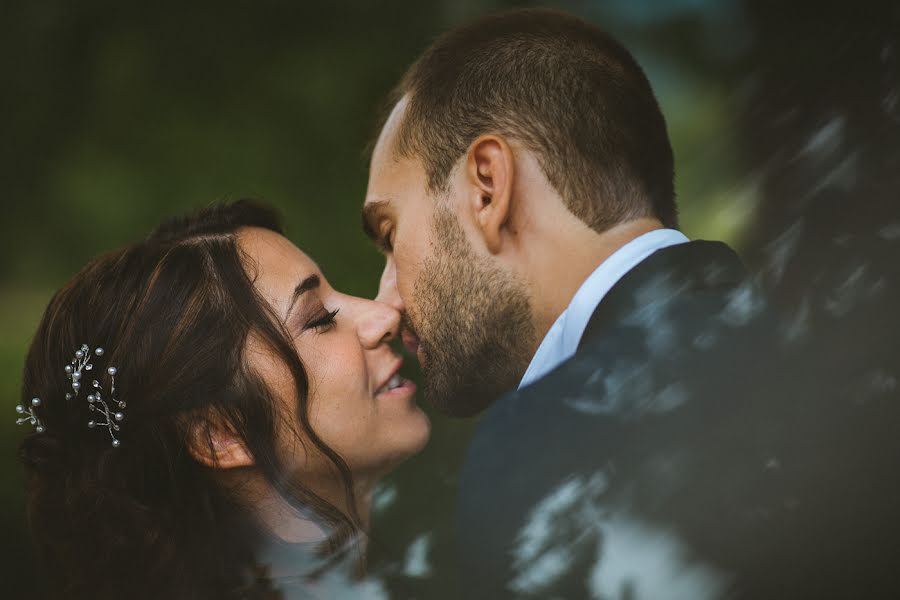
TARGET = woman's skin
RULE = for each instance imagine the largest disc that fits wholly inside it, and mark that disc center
(349, 364)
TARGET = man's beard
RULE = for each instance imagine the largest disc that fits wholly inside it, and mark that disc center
(473, 321)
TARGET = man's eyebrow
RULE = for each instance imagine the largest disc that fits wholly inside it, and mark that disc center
(372, 213)
(310, 283)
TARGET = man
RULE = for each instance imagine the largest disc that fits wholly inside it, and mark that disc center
(517, 175)
(522, 192)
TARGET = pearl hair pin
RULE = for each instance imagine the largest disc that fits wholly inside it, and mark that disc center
(111, 409)
(30, 415)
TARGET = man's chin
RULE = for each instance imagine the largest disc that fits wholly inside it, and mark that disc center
(463, 400)
(457, 390)
(459, 410)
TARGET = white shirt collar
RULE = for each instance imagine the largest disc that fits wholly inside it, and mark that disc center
(563, 337)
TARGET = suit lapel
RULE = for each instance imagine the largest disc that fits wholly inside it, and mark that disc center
(682, 269)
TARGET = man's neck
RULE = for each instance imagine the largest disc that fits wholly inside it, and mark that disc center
(559, 273)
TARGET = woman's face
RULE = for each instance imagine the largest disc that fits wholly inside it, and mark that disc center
(358, 404)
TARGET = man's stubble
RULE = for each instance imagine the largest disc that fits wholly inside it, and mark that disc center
(474, 323)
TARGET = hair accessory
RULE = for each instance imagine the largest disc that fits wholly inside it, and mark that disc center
(112, 409)
(30, 415)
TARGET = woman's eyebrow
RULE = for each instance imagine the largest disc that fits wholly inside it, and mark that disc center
(310, 283)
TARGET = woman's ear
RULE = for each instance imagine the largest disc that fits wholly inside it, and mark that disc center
(490, 168)
(215, 446)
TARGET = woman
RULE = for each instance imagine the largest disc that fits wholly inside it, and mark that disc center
(210, 417)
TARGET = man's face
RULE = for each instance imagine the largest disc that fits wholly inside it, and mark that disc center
(467, 319)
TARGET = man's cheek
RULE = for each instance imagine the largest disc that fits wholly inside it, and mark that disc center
(405, 287)
(407, 270)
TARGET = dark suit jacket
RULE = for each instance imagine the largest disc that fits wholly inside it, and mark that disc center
(697, 446)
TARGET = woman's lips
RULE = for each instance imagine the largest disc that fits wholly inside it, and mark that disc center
(407, 388)
(392, 378)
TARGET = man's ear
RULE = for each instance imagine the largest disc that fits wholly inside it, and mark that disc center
(215, 446)
(490, 168)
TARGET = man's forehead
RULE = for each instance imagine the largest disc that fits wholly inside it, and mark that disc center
(392, 178)
(394, 183)
(395, 118)
(382, 154)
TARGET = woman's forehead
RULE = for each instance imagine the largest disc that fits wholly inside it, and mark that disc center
(279, 264)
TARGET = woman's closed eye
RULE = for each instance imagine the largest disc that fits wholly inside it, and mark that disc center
(322, 321)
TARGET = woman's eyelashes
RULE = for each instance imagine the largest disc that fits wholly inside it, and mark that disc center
(322, 321)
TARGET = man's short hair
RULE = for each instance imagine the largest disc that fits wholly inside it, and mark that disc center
(567, 90)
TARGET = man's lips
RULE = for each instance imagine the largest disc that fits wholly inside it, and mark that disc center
(410, 342)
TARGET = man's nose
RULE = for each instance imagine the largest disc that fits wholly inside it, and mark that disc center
(387, 288)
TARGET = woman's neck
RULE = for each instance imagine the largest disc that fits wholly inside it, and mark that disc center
(291, 525)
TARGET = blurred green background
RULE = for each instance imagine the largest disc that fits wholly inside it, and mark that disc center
(116, 115)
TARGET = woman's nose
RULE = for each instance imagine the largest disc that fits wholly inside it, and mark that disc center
(378, 324)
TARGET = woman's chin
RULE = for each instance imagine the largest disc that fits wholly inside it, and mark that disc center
(410, 426)
(416, 435)
(424, 432)
(409, 438)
